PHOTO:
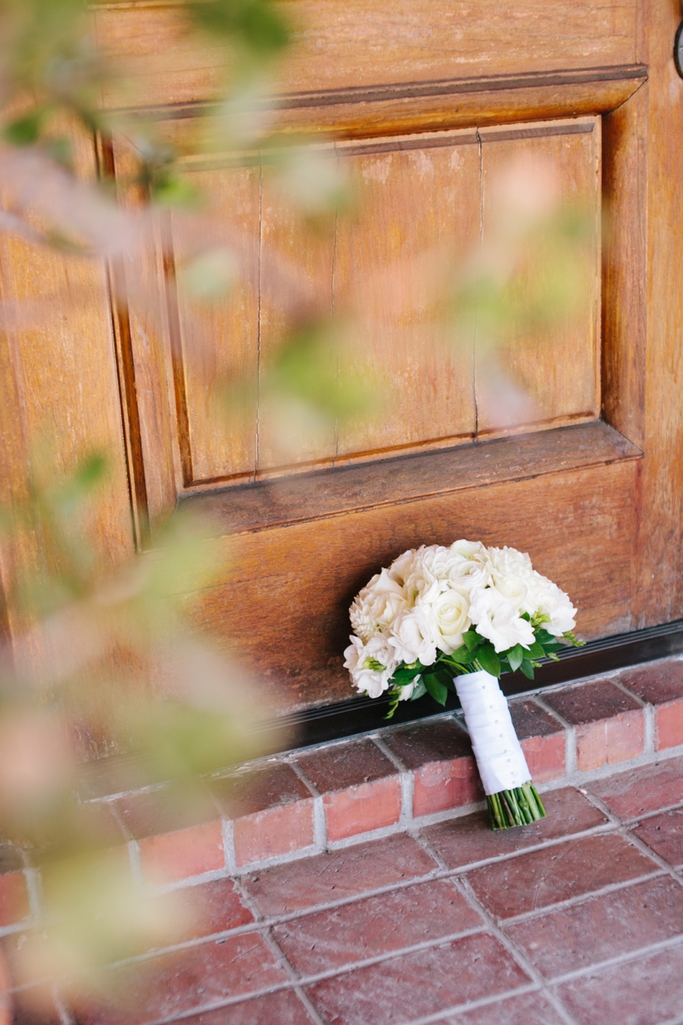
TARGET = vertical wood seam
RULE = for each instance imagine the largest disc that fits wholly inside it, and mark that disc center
(257, 440)
(177, 360)
(476, 316)
(124, 359)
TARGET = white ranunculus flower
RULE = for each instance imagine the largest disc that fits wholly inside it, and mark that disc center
(360, 658)
(498, 620)
(376, 605)
(550, 600)
(414, 637)
(403, 567)
(450, 614)
(421, 585)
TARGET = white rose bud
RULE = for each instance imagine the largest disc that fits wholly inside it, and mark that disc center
(450, 615)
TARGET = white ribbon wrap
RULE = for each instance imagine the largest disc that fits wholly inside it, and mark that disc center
(500, 759)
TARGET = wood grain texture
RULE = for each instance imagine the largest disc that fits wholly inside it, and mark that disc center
(396, 481)
(285, 608)
(366, 42)
(416, 225)
(432, 214)
(540, 362)
(624, 301)
(220, 332)
(658, 582)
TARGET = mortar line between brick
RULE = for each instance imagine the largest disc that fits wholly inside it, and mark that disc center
(583, 898)
(438, 873)
(407, 782)
(309, 980)
(309, 1005)
(619, 959)
(657, 858)
(512, 949)
(570, 748)
(634, 820)
(473, 1005)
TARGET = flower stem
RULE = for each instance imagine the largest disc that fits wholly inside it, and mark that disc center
(518, 807)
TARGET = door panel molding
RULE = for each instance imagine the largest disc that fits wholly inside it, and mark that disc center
(406, 479)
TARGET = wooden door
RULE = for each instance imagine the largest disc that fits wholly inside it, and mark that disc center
(563, 440)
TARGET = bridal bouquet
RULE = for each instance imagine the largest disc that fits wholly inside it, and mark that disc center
(455, 618)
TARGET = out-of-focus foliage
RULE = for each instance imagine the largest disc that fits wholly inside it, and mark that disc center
(118, 655)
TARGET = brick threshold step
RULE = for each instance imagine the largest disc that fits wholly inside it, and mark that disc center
(390, 780)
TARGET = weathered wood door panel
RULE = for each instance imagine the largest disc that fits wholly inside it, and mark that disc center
(431, 109)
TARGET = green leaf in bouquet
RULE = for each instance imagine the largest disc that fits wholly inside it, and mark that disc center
(515, 656)
(472, 640)
(420, 690)
(462, 655)
(443, 675)
(405, 675)
(488, 659)
(437, 690)
(535, 651)
(527, 668)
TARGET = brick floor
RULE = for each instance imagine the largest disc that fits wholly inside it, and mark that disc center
(574, 920)
(577, 920)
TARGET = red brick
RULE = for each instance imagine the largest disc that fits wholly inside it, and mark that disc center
(283, 1008)
(610, 725)
(272, 833)
(272, 810)
(440, 756)
(656, 682)
(470, 839)
(13, 898)
(205, 909)
(340, 766)
(185, 853)
(188, 980)
(602, 927)
(267, 786)
(664, 835)
(375, 925)
(545, 877)
(527, 1009)
(669, 725)
(543, 740)
(167, 810)
(34, 1006)
(418, 984)
(361, 787)
(638, 791)
(360, 809)
(661, 684)
(335, 876)
(643, 992)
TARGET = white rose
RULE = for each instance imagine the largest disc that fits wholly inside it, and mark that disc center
(468, 566)
(414, 637)
(498, 621)
(511, 574)
(422, 585)
(450, 615)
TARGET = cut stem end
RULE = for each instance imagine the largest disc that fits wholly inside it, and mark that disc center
(518, 807)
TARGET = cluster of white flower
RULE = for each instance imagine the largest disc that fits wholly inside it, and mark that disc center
(428, 598)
